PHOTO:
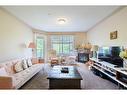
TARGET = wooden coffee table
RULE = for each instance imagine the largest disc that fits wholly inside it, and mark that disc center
(60, 80)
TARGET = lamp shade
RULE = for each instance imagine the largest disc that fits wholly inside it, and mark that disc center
(32, 45)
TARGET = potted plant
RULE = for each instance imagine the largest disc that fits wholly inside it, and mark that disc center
(123, 55)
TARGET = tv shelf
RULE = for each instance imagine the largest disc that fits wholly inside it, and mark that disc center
(110, 70)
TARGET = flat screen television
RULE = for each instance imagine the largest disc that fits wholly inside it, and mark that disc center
(111, 55)
(104, 52)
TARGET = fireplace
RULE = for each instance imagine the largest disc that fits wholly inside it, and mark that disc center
(83, 57)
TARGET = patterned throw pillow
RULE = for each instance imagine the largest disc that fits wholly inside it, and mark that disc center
(18, 67)
(29, 62)
(24, 64)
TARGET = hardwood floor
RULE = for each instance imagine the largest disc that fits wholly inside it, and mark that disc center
(90, 81)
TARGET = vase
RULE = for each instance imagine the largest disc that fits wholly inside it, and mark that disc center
(125, 63)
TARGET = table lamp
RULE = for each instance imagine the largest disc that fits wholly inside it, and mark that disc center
(32, 46)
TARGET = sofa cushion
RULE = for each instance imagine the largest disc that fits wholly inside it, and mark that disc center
(9, 67)
(18, 67)
(3, 72)
(24, 64)
(29, 62)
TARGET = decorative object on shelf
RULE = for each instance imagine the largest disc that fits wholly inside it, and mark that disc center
(86, 46)
(78, 47)
(113, 35)
(95, 50)
(123, 54)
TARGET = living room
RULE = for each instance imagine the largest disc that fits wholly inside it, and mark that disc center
(40, 33)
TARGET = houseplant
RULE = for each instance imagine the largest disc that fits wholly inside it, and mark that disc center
(123, 55)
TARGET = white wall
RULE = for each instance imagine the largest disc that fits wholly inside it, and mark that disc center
(100, 34)
(14, 37)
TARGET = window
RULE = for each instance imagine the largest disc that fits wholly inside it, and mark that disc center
(63, 44)
(40, 47)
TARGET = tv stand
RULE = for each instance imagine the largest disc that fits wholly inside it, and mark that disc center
(119, 75)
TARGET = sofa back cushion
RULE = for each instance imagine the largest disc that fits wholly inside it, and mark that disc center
(3, 72)
(29, 62)
(24, 64)
(8, 67)
(18, 66)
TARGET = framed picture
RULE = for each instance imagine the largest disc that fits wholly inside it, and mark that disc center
(113, 35)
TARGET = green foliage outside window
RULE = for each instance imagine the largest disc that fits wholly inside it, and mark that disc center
(63, 44)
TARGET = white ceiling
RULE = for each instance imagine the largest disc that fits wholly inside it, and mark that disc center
(79, 18)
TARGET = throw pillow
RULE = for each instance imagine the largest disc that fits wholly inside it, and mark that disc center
(3, 72)
(18, 67)
(24, 64)
(29, 62)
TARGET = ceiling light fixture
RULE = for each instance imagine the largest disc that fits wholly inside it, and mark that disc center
(61, 21)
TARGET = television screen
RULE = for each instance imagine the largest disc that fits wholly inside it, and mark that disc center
(104, 51)
(115, 50)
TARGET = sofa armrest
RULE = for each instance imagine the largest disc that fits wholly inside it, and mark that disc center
(37, 61)
(6, 82)
(34, 61)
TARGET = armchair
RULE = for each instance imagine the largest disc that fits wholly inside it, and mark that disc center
(52, 57)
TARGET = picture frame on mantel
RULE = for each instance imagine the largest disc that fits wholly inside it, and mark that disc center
(113, 35)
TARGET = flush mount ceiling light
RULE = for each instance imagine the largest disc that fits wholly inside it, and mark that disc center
(61, 20)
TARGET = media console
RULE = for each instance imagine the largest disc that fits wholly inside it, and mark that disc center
(117, 74)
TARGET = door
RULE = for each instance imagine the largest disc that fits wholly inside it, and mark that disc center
(40, 47)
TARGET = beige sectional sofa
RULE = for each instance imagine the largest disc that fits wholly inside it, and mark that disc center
(15, 80)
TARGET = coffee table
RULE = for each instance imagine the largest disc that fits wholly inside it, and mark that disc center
(60, 80)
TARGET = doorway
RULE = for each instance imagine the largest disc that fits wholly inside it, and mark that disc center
(40, 48)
